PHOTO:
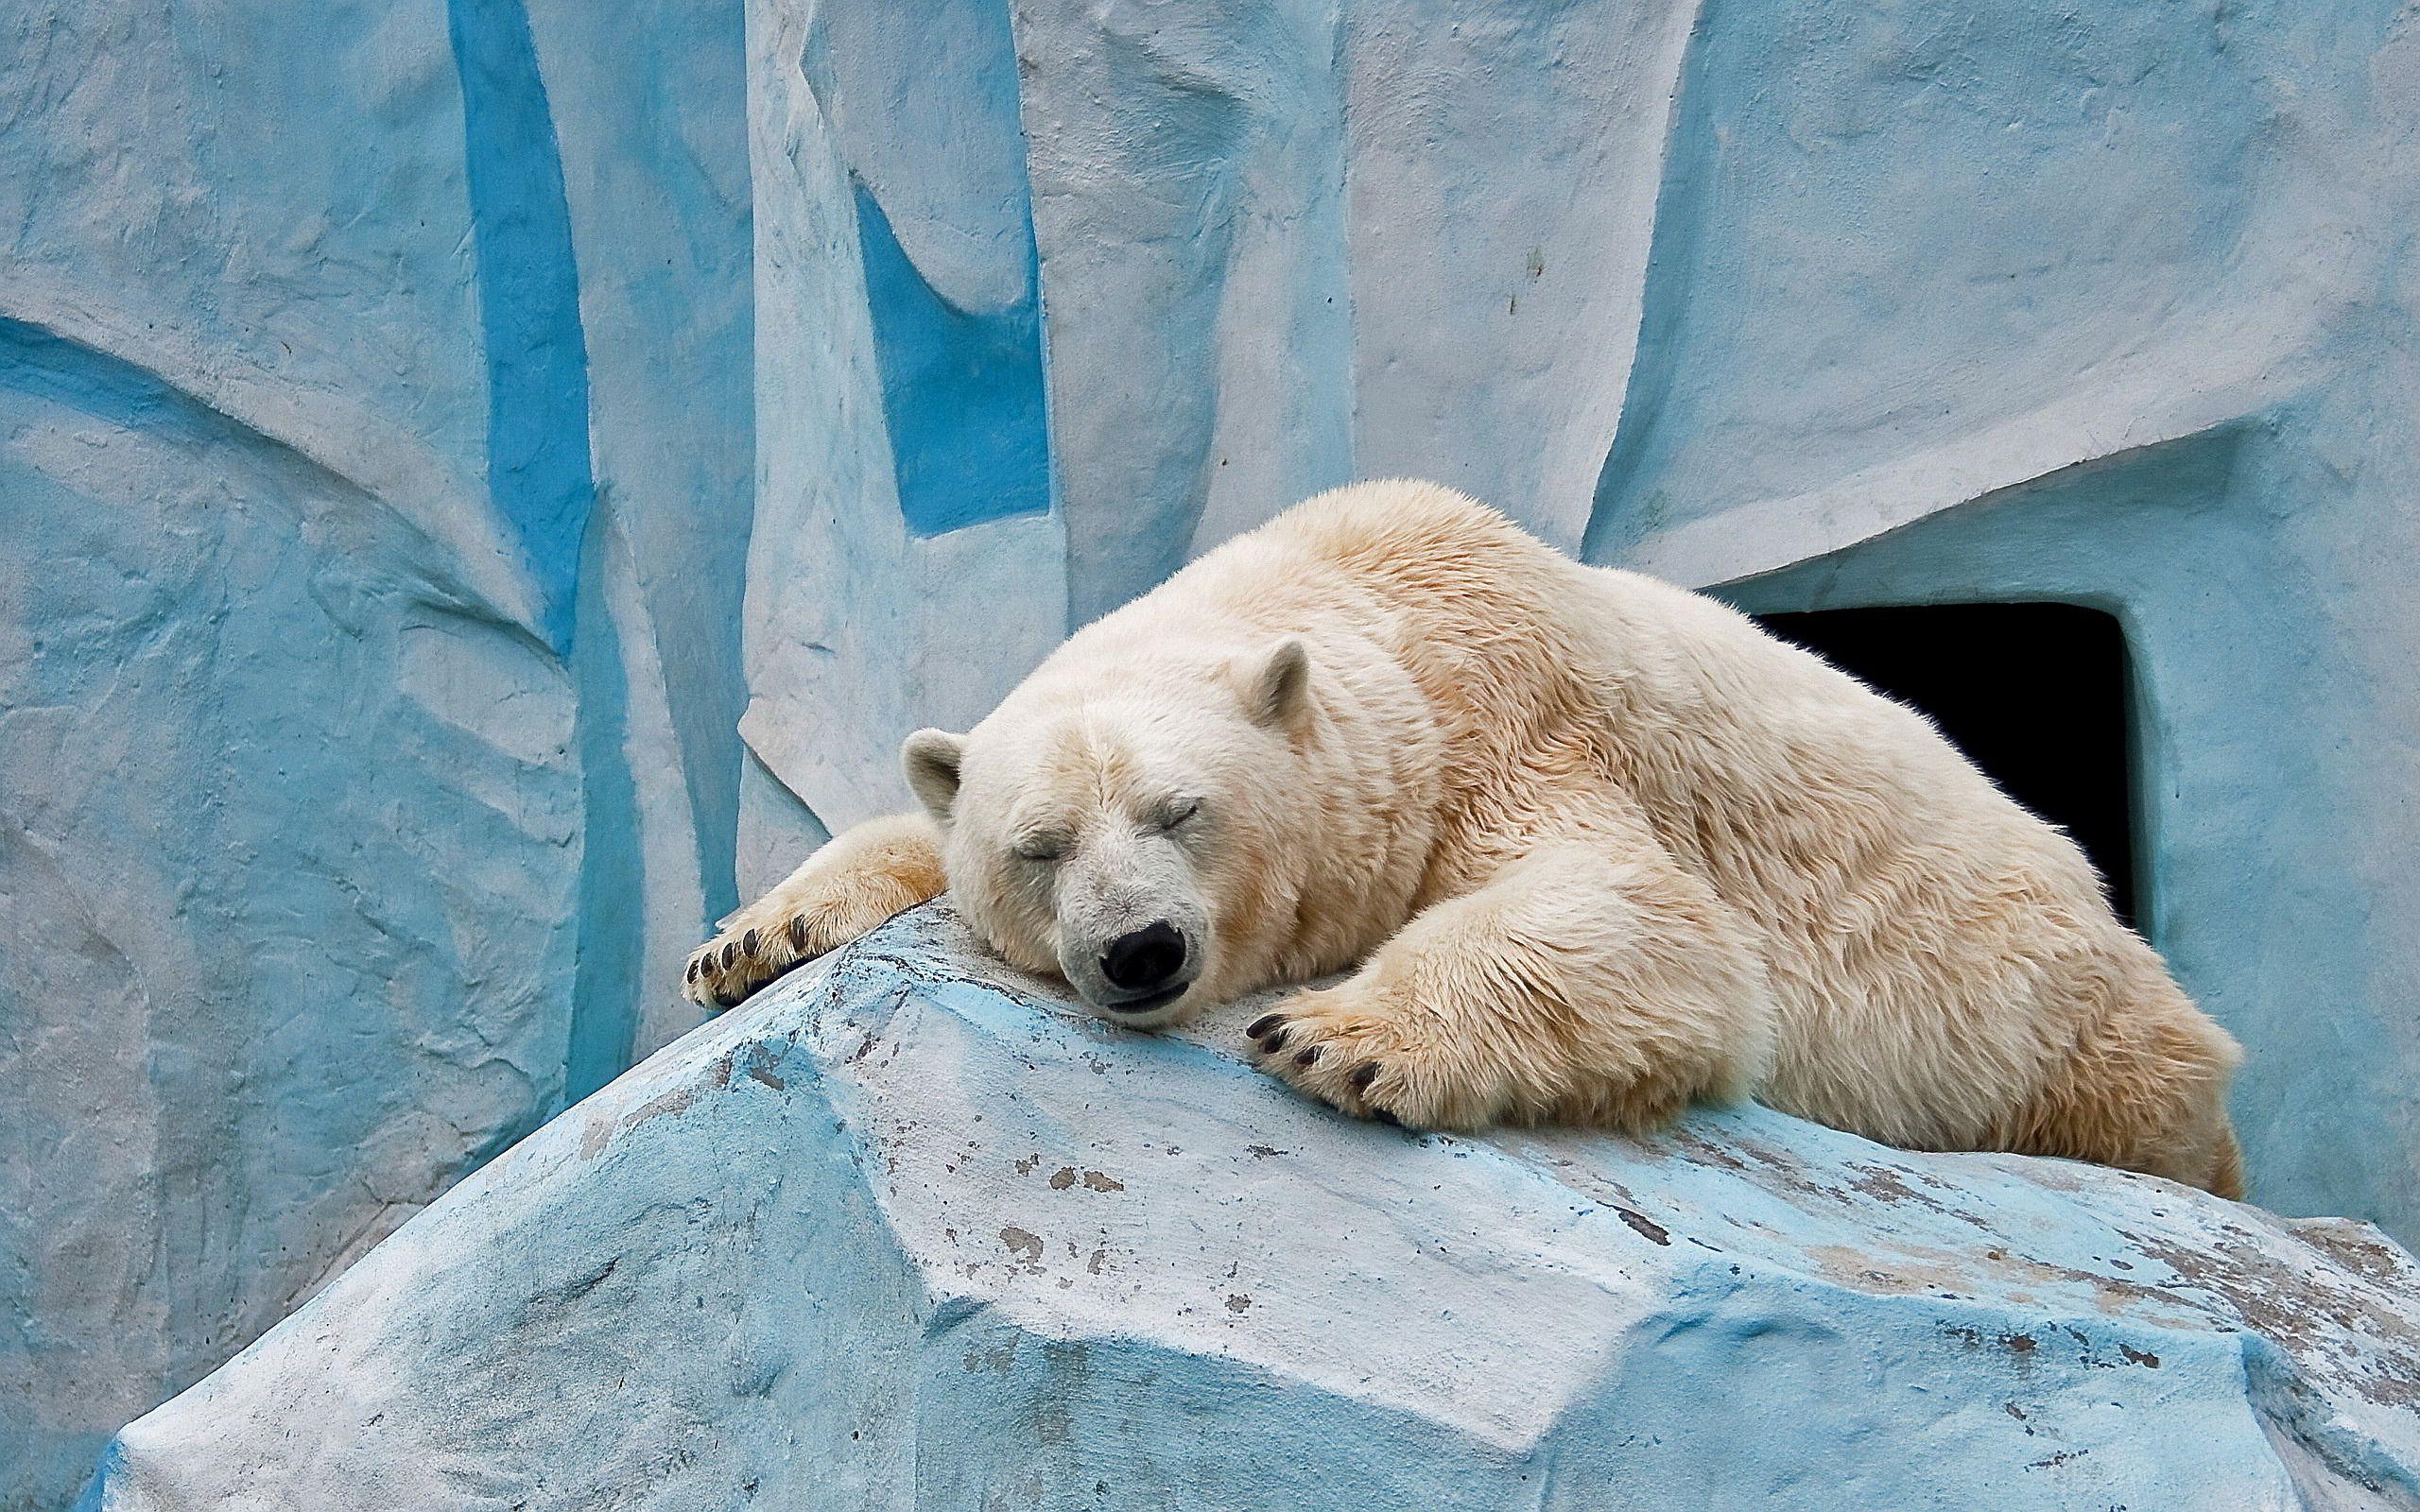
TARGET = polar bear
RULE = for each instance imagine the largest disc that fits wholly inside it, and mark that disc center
(1591, 848)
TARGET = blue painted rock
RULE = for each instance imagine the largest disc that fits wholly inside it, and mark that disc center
(909, 1231)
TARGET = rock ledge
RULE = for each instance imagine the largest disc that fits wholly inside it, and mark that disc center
(906, 1232)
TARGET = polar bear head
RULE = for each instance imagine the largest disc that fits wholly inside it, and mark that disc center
(1138, 834)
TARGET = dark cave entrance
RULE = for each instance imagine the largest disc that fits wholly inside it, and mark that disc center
(2034, 693)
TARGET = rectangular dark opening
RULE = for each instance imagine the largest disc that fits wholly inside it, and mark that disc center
(2034, 693)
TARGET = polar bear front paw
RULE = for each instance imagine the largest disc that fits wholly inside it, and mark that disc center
(871, 873)
(1346, 1046)
(760, 945)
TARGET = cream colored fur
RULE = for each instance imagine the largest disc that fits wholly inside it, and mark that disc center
(1591, 846)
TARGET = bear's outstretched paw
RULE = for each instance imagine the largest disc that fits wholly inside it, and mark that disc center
(786, 929)
(870, 873)
(1342, 1046)
(761, 944)
(782, 930)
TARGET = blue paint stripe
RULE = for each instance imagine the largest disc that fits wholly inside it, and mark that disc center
(542, 481)
(48, 366)
(962, 390)
(539, 473)
(1617, 516)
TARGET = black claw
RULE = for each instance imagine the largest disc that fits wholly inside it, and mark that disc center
(1307, 1056)
(1384, 1117)
(696, 965)
(730, 953)
(747, 943)
(1364, 1075)
(1266, 1023)
(797, 933)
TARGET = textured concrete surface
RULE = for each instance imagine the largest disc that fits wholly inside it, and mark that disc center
(374, 475)
(399, 663)
(912, 1232)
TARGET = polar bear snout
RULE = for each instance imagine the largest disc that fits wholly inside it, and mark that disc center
(1146, 967)
(1132, 929)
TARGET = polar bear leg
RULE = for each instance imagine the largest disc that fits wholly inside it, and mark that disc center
(1587, 982)
(2144, 1089)
(866, 874)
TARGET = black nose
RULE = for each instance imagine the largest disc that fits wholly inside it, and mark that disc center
(1145, 959)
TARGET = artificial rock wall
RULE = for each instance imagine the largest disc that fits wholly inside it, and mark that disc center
(374, 481)
(399, 665)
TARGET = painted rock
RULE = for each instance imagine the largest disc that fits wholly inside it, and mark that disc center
(911, 1231)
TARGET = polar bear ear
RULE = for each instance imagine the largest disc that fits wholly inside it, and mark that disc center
(1281, 689)
(930, 758)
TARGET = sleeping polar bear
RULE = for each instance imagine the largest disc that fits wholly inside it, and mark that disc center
(1593, 846)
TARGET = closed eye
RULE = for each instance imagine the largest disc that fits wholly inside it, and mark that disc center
(1040, 848)
(1178, 812)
